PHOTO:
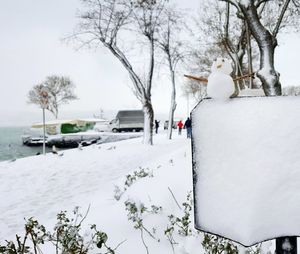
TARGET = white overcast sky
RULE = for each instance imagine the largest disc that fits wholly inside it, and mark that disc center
(31, 49)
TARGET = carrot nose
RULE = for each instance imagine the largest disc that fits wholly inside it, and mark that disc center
(219, 66)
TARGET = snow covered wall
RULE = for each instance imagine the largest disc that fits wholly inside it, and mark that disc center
(246, 162)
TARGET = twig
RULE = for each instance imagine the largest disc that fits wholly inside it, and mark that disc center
(174, 198)
(204, 80)
(34, 242)
(142, 236)
(149, 233)
(120, 244)
(250, 75)
(115, 247)
(84, 217)
(24, 242)
(201, 79)
(57, 240)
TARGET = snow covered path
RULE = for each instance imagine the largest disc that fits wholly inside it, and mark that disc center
(42, 186)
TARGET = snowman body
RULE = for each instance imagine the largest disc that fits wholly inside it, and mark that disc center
(220, 84)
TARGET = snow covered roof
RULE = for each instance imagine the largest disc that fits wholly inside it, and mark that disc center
(246, 161)
(70, 121)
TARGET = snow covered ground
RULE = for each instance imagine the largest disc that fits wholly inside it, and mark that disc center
(42, 186)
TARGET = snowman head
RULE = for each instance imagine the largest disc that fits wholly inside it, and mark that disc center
(222, 65)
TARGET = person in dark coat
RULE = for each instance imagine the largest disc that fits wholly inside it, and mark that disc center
(156, 126)
(188, 126)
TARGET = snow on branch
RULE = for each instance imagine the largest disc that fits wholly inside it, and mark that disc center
(280, 18)
(296, 3)
(233, 2)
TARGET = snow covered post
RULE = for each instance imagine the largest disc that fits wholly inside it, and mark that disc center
(285, 245)
(246, 169)
(44, 100)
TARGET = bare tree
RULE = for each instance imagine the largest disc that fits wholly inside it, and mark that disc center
(266, 39)
(195, 88)
(111, 23)
(60, 90)
(173, 49)
(223, 34)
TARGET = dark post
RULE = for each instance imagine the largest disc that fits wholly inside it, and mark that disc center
(286, 245)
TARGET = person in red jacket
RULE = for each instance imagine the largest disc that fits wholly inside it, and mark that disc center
(180, 125)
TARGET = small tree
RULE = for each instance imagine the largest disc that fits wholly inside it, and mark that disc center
(111, 23)
(172, 48)
(60, 91)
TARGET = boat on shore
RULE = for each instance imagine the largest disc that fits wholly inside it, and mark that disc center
(64, 133)
(28, 140)
(73, 140)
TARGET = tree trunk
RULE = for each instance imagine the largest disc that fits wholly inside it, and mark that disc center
(241, 55)
(238, 63)
(143, 92)
(56, 114)
(267, 44)
(146, 99)
(249, 56)
(172, 106)
(148, 122)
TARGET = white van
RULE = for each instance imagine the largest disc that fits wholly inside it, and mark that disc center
(128, 120)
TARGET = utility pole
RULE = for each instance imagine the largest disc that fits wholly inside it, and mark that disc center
(44, 133)
(44, 100)
(188, 105)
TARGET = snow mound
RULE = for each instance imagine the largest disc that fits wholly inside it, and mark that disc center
(247, 167)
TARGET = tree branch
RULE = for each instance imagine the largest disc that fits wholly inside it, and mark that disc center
(122, 58)
(296, 3)
(232, 2)
(277, 27)
(260, 2)
(227, 21)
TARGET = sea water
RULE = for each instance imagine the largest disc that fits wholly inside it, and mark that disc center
(11, 146)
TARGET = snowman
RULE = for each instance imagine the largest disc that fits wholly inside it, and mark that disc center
(220, 84)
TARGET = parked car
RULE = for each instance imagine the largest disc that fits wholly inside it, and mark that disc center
(102, 126)
(174, 126)
(128, 120)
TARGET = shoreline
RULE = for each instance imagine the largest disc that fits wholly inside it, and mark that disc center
(12, 148)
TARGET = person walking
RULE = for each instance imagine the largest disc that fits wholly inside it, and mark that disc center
(156, 126)
(180, 126)
(188, 126)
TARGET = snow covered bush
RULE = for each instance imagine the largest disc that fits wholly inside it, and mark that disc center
(183, 224)
(178, 229)
(35, 234)
(67, 237)
(213, 245)
(136, 212)
(131, 179)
